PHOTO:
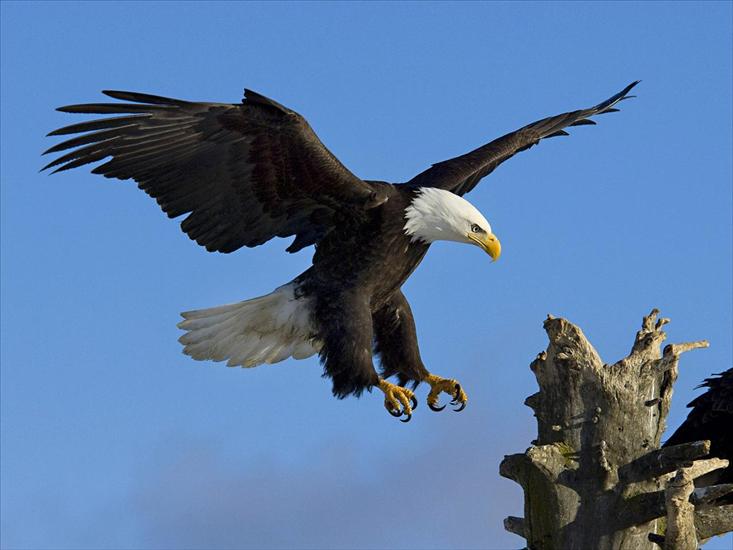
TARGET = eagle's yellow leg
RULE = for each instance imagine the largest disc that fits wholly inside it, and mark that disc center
(450, 386)
(398, 401)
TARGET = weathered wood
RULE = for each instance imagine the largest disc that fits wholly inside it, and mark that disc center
(680, 533)
(514, 525)
(663, 461)
(595, 476)
(711, 522)
(706, 495)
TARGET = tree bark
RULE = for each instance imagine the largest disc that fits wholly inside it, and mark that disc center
(595, 478)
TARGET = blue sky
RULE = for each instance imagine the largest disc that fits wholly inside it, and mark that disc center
(111, 438)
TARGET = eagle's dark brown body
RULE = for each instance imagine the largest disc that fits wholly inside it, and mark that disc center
(357, 272)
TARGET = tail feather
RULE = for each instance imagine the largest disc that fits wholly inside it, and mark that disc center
(223, 310)
(267, 329)
(301, 350)
(214, 319)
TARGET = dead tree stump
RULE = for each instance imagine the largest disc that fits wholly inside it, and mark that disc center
(595, 478)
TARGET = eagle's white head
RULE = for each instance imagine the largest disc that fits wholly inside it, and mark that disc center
(436, 214)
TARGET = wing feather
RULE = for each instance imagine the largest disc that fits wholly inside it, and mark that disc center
(244, 173)
(461, 174)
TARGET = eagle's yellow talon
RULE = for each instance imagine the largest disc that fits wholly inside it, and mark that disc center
(397, 400)
(450, 386)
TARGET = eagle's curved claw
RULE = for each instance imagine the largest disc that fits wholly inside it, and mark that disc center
(457, 398)
(398, 401)
(440, 385)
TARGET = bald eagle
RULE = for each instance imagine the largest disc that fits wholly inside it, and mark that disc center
(245, 173)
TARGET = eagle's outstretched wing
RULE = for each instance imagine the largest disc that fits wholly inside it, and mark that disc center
(461, 174)
(244, 173)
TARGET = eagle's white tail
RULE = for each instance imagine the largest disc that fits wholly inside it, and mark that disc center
(267, 329)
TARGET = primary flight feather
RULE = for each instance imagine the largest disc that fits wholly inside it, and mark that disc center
(245, 173)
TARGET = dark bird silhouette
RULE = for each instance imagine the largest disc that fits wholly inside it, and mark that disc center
(245, 173)
(711, 418)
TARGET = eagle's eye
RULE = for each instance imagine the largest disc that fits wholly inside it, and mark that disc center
(475, 228)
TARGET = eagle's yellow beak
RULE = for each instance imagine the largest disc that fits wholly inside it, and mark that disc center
(489, 243)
